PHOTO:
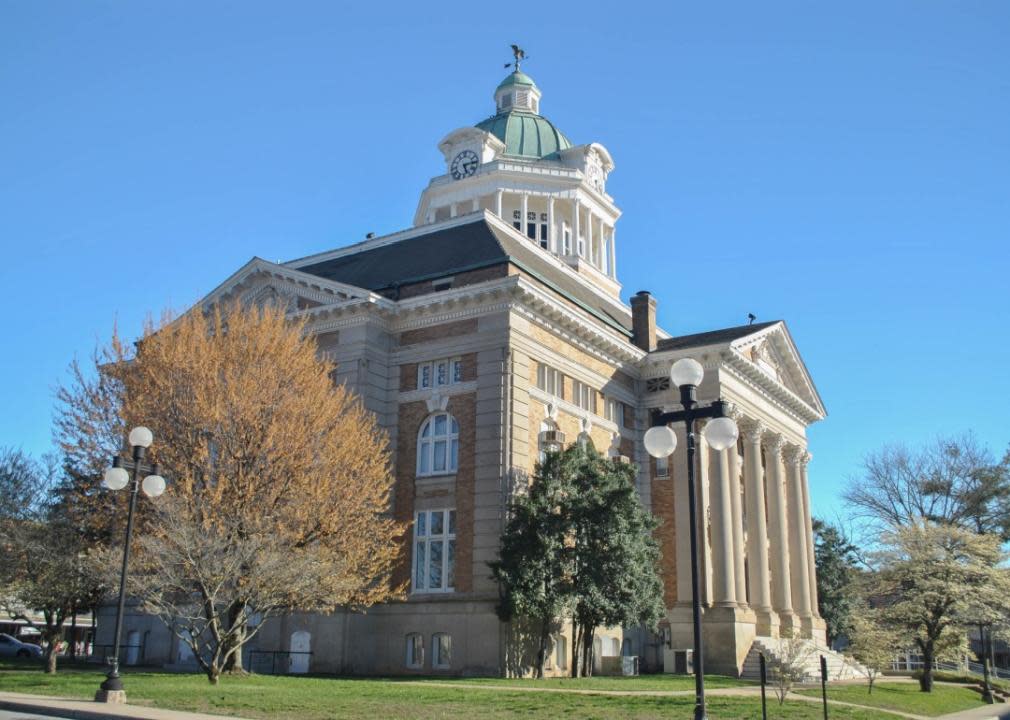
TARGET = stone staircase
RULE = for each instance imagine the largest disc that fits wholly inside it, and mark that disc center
(807, 654)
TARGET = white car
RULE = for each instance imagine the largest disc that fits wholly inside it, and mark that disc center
(12, 647)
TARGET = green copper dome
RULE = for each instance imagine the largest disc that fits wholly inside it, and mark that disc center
(525, 134)
(516, 78)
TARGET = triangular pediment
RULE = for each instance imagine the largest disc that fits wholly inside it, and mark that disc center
(772, 352)
(259, 282)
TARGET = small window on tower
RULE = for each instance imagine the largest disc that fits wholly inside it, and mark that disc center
(531, 230)
(531, 216)
(522, 98)
(543, 235)
(506, 100)
(517, 214)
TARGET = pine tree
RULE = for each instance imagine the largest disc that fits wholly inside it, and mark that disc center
(834, 556)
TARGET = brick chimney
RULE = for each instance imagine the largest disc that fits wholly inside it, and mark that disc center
(643, 320)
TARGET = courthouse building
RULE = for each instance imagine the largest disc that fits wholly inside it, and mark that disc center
(493, 328)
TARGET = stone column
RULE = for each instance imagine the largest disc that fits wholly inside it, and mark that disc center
(589, 236)
(526, 209)
(613, 254)
(736, 506)
(576, 211)
(704, 503)
(759, 579)
(798, 568)
(778, 535)
(497, 203)
(552, 236)
(723, 570)
(809, 537)
(453, 210)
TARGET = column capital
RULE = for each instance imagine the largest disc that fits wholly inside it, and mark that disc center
(795, 455)
(752, 430)
(774, 444)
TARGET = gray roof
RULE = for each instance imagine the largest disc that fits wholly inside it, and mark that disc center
(456, 249)
(712, 337)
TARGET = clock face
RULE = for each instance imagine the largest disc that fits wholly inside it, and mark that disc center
(464, 164)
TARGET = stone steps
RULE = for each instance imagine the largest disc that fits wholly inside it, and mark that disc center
(807, 654)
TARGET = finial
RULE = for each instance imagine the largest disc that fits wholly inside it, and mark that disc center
(519, 54)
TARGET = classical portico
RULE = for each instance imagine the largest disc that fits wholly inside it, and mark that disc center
(758, 576)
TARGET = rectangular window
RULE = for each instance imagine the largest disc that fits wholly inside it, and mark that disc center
(582, 247)
(531, 230)
(585, 396)
(567, 240)
(517, 215)
(543, 235)
(517, 225)
(447, 371)
(663, 467)
(434, 550)
(415, 650)
(614, 411)
(549, 380)
(441, 650)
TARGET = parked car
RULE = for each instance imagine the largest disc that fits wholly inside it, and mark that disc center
(12, 647)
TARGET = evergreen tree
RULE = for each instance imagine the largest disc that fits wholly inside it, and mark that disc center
(834, 556)
(616, 558)
(578, 542)
(532, 565)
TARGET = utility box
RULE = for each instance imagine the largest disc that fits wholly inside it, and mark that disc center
(683, 662)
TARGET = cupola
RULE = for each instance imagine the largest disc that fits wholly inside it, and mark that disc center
(517, 92)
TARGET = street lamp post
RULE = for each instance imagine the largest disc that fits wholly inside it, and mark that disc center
(660, 442)
(118, 477)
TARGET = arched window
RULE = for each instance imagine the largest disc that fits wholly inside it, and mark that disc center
(438, 445)
(415, 650)
(441, 650)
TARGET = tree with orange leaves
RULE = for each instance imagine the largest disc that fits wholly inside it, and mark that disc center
(279, 479)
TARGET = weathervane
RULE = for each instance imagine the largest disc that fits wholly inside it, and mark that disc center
(519, 55)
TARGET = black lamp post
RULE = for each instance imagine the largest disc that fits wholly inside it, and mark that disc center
(117, 477)
(660, 442)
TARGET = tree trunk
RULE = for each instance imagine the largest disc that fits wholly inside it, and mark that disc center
(73, 634)
(926, 679)
(576, 648)
(986, 680)
(213, 674)
(52, 652)
(545, 635)
(233, 660)
(587, 651)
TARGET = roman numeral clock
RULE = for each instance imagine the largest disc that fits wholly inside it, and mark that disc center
(464, 164)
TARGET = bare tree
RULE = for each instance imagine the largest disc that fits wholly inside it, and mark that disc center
(952, 480)
(789, 667)
(43, 570)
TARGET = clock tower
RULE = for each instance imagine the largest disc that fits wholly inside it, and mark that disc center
(520, 166)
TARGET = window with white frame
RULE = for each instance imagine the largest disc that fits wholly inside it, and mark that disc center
(566, 239)
(438, 373)
(663, 467)
(550, 380)
(614, 411)
(585, 396)
(441, 650)
(415, 650)
(438, 445)
(434, 550)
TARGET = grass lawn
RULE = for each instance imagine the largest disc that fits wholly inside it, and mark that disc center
(323, 698)
(906, 697)
(683, 683)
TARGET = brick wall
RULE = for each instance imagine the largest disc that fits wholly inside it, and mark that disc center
(410, 417)
(663, 507)
(438, 332)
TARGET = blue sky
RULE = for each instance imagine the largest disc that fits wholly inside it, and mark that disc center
(845, 167)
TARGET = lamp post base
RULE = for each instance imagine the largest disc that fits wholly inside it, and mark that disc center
(113, 697)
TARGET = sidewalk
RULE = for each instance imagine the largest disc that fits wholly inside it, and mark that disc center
(89, 710)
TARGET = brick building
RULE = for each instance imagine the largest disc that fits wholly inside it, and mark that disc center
(475, 335)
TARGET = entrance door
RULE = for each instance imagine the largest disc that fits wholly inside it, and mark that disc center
(132, 647)
(301, 644)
